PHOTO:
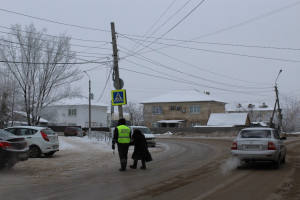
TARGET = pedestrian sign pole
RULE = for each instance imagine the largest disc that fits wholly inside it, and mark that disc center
(118, 97)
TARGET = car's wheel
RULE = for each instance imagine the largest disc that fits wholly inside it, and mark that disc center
(34, 152)
(50, 154)
(283, 160)
(277, 163)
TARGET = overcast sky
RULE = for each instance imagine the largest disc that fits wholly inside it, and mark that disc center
(228, 71)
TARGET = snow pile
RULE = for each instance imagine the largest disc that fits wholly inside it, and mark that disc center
(83, 143)
(229, 165)
(168, 133)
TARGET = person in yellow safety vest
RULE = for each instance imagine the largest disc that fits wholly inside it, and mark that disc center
(122, 135)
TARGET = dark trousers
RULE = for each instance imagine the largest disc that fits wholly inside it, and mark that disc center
(123, 151)
(136, 161)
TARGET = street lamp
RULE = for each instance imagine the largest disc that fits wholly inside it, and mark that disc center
(90, 116)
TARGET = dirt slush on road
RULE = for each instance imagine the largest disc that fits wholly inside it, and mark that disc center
(183, 168)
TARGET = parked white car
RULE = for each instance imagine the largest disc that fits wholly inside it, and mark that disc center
(259, 144)
(150, 138)
(41, 140)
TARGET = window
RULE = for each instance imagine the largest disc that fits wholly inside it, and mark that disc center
(72, 112)
(255, 134)
(175, 108)
(156, 110)
(194, 109)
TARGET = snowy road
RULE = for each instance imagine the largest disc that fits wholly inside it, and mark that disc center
(182, 169)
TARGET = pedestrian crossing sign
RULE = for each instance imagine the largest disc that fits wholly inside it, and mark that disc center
(118, 97)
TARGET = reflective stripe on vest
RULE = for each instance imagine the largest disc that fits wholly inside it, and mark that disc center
(124, 134)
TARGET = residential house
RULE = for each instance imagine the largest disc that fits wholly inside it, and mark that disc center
(257, 112)
(75, 112)
(181, 109)
(20, 119)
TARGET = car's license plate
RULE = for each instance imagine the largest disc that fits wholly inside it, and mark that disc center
(252, 147)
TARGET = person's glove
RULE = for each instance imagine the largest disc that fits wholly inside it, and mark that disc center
(113, 147)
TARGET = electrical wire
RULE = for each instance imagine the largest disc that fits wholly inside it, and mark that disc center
(216, 43)
(174, 80)
(106, 83)
(157, 20)
(56, 36)
(173, 27)
(53, 21)
(195, 76)
(186, 63)
(51, 63)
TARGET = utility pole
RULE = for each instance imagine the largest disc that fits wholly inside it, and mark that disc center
(116, 77)
(278, 105)
(90, 96)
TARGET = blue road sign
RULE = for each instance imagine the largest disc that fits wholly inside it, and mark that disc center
(118, 97)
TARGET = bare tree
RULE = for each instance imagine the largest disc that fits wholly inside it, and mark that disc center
(41, 66)
(291, 112)
(136, 113)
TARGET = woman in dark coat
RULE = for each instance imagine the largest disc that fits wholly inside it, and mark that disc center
(140, 149)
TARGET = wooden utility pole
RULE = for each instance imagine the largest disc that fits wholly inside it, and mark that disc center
(116, 77)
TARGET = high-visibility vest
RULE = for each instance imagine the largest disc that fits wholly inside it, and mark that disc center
(124, 134)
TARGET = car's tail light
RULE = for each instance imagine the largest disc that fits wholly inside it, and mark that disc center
(234, 146)
(45, 136)
(271, 146)
(4, 145)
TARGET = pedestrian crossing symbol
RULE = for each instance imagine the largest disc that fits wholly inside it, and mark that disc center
(118, 97)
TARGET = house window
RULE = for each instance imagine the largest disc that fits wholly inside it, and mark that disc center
(194, 109)
(72, 112)
(175, 108)
(156, 110)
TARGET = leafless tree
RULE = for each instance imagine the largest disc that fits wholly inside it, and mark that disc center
(41, 66)
(291, 113)
(136, 113)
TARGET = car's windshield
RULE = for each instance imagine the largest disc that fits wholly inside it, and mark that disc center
(255, 134)
(48, 131)
(145, 130)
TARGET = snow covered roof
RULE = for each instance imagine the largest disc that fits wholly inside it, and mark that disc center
(78, 101)
(247, 106)
(182, 96)
(25, 115)
(227, 119)
(170, 121)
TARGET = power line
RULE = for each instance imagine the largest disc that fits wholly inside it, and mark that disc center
(216, 43)
(80, 52)
(173, 27)
(106, 83)
(238, 54)
(169, 18)
(194, 83)
(242, 23)
(186, 63)
(195, 76)
(49, 63)
(56, 36)
(53, 21)
(76, 45)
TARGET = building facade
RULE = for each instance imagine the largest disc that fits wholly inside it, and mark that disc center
(76, 113)
(181, 109)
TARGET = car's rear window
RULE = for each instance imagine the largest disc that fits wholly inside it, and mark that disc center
(4, 135)
(48, 131)
(255, 134)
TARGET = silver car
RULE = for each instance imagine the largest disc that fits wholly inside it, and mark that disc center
(259, 144)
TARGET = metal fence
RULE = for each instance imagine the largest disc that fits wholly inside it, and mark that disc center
(100, 136)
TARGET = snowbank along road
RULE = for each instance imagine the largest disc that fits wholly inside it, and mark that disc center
(183, 168)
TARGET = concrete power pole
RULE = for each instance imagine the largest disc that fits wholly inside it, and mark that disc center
(116, 77)
(277, 104)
